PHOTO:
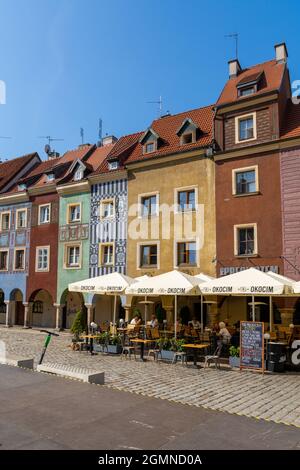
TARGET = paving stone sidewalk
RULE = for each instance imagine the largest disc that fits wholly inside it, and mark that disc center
(269, 397)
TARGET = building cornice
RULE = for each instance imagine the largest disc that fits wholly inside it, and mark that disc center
(267, 147)
(162, 160)
(50, 188)
(253, 101)
(14, 198)
(74, 187)
(99, 178)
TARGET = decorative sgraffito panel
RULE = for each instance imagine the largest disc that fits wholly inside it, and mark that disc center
(111, 230)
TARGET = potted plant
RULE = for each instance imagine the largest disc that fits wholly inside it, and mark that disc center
(168, 347)
(101, 342)
(79, 325)
(234, 356)
(114, 344)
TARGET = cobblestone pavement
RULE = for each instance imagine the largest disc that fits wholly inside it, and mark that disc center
(269, 397)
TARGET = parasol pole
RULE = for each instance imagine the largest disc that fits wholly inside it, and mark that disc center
(271, 313)
(253, 309)
(115, 313)
(201, 313)
(175, 316)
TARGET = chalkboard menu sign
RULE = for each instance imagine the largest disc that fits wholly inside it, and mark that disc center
(252, 345)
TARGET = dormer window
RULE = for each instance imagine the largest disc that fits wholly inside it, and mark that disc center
(114, 165)
(149, 147)
(149, 141)
(50, 177)
(21, 187)
(187, 132)
(78, 174)
(247, 91)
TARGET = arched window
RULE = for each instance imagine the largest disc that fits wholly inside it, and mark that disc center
(37, 306)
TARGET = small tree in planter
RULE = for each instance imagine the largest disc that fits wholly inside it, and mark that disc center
(234, 356)
(79, 325)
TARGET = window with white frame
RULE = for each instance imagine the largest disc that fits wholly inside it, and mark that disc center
(44, 214)
(78, 174)
(186, 199)
(106, 254)
(5, 221)
(107, 208)
(245, 180)
(21, 216)
(149, 205)
(245, 128)
(72, 256)
(3, 260)
(74, 213)
(42, 258)
(19, 261)
(50, 177)
(245, 239)
(186, 253)
(114, 165)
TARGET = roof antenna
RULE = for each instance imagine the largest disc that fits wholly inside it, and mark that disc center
(234, 36)
(49, 151)
(99, 144)
(160, 105)
(82, 135)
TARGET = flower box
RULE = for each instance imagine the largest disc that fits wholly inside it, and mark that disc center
(234, 361)
(167, 355)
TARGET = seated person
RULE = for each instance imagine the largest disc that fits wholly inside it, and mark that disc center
(154, 321)
(194, 323)
(136, 320)
(224, 333)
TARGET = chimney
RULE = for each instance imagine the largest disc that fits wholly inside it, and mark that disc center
(281, 53)
(234, 68)
(108, 140)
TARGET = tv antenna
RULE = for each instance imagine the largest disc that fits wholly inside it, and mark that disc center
(100, 130)
(160, 104)
(49, 138)
(82, 135)
(234, 36)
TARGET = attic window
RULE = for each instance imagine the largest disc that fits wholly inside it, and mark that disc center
(78, 174)
(50, 177)
(187, 138)
(113, 165)
(21, 187)
(245, 91)
(149, 147)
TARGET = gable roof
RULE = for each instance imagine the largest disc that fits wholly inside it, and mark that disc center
(11, 168)
(129, 149)
(273, 74)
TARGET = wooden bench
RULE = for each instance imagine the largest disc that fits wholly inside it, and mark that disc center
(80, 373)
(17, 361)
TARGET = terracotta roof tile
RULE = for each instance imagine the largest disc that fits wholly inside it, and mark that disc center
(10, 168)
(291, 122)
(273, 74)
(128, 148)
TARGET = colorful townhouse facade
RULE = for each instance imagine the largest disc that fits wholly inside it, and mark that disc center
(15, 221)
(213, 190)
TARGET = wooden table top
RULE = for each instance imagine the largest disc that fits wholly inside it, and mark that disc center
(140, 340)
(90, 336)
(195, 346)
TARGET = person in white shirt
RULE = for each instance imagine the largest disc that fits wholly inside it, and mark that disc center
(154, 321)
(224, 333)
(194, 323)
(135, 320)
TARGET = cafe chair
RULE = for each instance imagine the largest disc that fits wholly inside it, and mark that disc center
(127, 350)
(180, 355)
(215, 358)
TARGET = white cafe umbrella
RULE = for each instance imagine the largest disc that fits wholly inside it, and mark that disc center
(170, 283)
(111, 284)
(250, 281)
(288, 289)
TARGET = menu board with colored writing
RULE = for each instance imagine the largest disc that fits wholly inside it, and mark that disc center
(252, 345)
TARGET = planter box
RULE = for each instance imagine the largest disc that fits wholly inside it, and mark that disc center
(234, 361)
(114, 349)
(97, 347)
(167, 355)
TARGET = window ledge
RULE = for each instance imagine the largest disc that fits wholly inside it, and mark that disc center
(253, 255)
(149, 266)
(254, 193)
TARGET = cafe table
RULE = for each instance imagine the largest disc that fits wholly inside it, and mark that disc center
(142, 342)
(91, 338)
(196, 348)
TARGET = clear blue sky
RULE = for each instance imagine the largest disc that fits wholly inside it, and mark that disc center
(68, 62)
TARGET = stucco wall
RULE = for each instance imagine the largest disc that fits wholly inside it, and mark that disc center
(163, 179)
(66, 276)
